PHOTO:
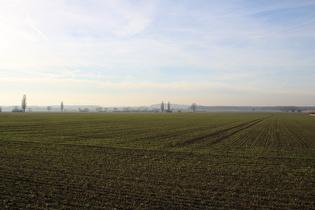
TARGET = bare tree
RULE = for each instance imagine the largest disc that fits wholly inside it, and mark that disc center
(193, 107)
(61, 106)
(49, 108)
(162, 106)
(168, 107)
(24, 103)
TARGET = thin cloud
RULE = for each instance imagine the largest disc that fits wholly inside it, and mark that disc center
(31, 24)
(99, 75)
(298, 25)
(191, 48)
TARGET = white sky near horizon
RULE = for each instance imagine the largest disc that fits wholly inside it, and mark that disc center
(142, 52)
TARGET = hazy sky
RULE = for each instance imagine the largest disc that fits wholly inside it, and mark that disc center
(140, 52)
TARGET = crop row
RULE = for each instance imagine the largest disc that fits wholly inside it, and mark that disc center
(83, 176)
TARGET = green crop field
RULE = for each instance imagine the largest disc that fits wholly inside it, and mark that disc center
(157, 160)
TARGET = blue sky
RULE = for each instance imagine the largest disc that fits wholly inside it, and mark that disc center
(129, 53)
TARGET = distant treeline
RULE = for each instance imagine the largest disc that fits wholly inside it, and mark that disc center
(157, 107)
(256, 108)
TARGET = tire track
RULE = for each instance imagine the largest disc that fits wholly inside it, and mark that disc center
(222, 134)
(254, 122)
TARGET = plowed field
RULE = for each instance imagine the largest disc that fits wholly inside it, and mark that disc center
(157, 160)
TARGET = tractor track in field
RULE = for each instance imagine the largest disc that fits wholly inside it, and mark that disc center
(222, 134)
(247, 125)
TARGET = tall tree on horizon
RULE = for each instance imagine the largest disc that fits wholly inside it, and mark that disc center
(162, 106)
(24, 103)
(193, 107)
(168, 106)
(61, 106)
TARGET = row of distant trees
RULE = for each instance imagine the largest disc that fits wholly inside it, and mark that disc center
(49, 108)
(24, 105)
(193, 107)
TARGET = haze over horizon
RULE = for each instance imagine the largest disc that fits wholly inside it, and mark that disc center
(133, 53)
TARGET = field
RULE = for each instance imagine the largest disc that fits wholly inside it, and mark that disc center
(157, 160)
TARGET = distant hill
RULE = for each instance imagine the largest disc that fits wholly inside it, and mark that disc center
(256, 108)
(238, 108)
